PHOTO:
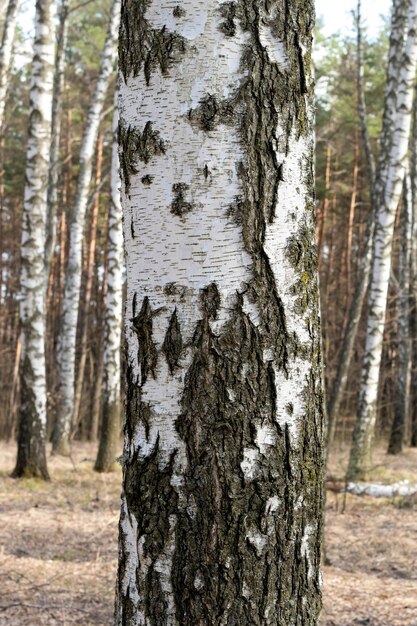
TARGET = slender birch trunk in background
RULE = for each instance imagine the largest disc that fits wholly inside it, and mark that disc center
(6, 53)
(31, 459)
(6, 49)
(365, 263)
(111, 424)
(413, 315)
(326, 200)
(84, 306)
(221, 516)
(54, 168)
(70, 304)
(402, 398)
(391, 176)
(351, 221)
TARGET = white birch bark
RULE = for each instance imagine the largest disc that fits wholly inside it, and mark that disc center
(54, 166)
(391, 176)
(6, 53)
(223, 350)
(70, 304)
(32, 422)
(111, 426)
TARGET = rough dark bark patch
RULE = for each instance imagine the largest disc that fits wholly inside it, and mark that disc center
(147, 353)
(180, 206)
(144, 48)
(228, 12)
(138, 147)
(31, 455)
(179, 11)
(211, 112)
(173, 345)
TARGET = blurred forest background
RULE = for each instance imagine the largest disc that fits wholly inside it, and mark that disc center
(375, 562)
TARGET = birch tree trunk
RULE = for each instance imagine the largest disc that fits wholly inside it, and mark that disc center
(365, 264)
(221, 517)
(413, 315)
(111, 424)
(6, 53)
(391, 176)
(54, 168)
(31, 460)
(70, 305)
(402, 392)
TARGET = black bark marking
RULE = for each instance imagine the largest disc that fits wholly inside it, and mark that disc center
(144, 48)
(211, 112)
(210, 301)
(132, 227)
(235, 210)
(139, 412)
(147, 353)
(228, 12)
(147, 180)
(206, 172)
(138, 147)
(179, 205)
(172, 346)
(178, 12)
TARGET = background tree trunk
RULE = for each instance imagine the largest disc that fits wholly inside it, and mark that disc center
(402, 392)
(221, 516)
(31, 459)
(70, 304)
(111, 423)
(391, 175)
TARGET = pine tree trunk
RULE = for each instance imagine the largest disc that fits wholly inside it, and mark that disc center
(391, 176)
(221, 518)
(70, 305)
(111, 424)
(31, 459)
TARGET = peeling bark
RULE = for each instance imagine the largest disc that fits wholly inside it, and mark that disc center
(221, 516)
(31, 459)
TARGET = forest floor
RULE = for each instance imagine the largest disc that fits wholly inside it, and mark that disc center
(58, 546)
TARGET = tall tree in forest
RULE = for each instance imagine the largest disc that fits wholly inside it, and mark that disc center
(365, 263)
(393, 160)
(31, 460)
(111, 423)
(221, 516)
(6, 53)
(55, 165)
(70, 305)
(401, 408)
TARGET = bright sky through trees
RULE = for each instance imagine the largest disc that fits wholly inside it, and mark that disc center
(337, 14)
